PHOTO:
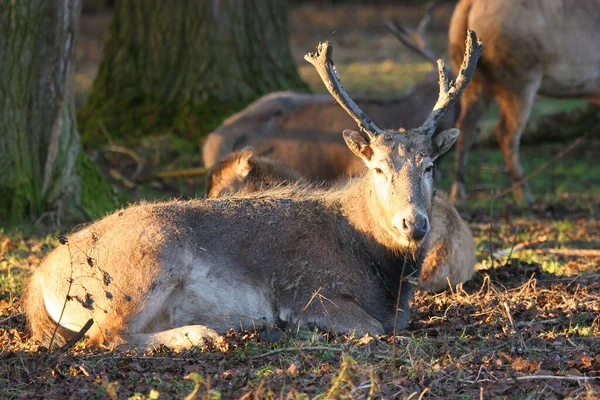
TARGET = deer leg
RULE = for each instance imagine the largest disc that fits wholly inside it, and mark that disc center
(474, 104)
(176, 339)
(341, 316)
(515, 108)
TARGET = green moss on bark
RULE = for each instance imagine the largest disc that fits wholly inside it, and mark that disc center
(97, 195)
(183, 67)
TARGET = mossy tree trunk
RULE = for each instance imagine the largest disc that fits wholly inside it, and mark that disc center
(43, 168)
(184, 66)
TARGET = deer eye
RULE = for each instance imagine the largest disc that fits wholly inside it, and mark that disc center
(378, 171)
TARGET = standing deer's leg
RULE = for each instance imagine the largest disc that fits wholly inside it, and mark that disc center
(515, 108)
(474, 104)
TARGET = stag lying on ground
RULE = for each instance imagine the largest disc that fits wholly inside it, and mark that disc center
(303, 129)
(551, 48)
(181, 271)
(451, 256)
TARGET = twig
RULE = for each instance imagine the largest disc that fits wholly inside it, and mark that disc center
(512, 322)
(572, 252)
(4, 320)
(67, 296)
(396, 316)
(293, 349)
(519, 324)
(181, 173)
(556, 377)
(493, 269)
(512, 247)
(542, 167)
(77, 337)
(124, 150)
(517, 247)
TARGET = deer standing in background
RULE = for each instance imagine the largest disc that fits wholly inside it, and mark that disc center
(178, 272)
(550, 48)
(450, 259)
(303, 129)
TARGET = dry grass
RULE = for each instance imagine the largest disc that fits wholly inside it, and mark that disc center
(530, 330)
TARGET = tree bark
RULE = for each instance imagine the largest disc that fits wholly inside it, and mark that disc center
(43, 166)
(184, 66)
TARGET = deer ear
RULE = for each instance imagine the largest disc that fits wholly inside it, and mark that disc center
(359, 144)
(443, 141)
(244, 165)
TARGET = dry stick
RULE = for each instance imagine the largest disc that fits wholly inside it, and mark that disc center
(556, 377)
(512, 247)
(519, 324)
(77, 337)
(396, 316)
(292, 349)
(542, 167)
(132, 154)
(493, 271)
(181, 173)
(572, 252)
(510, 319)
(66, 299)
(520, 246)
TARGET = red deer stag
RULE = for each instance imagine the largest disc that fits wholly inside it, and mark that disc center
(179, 272)
(550, 48)
(303, 129)
(451, 256)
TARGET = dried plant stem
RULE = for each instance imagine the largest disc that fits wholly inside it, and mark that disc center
(77, 337)
(295, 349)
(396, 316)
(66, 299)
(556, 377)
(542, 167)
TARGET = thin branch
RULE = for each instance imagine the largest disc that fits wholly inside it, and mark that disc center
(556, 377)
(183, 173)
(572, 252)
(296, 349)
(77, 337)
(542, 167)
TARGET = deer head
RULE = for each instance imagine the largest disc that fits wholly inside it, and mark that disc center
(400, 163)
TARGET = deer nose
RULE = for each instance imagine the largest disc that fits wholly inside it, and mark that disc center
(413, 227)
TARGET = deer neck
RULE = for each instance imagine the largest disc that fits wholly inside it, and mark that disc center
(391, 259)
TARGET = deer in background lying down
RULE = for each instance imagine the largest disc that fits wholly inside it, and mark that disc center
(179, 272)
(451, 256)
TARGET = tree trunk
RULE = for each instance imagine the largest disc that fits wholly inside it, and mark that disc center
(184, 66)
(42, 163)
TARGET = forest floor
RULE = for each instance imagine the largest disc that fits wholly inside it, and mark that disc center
(527, 326)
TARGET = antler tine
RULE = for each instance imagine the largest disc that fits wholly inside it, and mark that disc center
(412, 39)
(426, 20)
(450, 92)
(323, 63)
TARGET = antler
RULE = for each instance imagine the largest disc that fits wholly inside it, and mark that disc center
(450, 92)
(413, 38)
(323, 63)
